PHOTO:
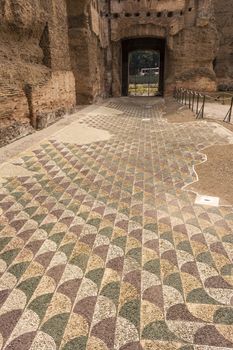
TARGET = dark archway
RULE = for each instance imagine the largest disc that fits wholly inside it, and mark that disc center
(129, 45)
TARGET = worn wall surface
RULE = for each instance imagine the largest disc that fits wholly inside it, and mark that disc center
(34, 54)
(198, 35)
(97, 28)
(89, 48)
(224, 58)
(187, 26)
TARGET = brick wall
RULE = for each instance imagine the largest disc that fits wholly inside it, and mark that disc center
(34, 53)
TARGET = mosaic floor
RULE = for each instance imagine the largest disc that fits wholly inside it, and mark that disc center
(101, 249)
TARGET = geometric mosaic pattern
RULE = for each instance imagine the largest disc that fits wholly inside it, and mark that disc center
(101, 249)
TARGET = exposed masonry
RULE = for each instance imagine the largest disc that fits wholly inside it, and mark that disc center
(69, 52)
(152, 14)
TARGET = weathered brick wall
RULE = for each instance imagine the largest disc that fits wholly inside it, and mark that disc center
(188, 26)
(89, 46)
(33, 46)
(192, 54)
(224, 57)
(46, 107)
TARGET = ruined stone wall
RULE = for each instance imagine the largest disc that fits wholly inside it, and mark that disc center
(89, 47)
(33, 54)
(224, 58)
(189, 28)
(55, 54)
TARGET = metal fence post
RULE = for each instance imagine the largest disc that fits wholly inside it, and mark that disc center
(229, 113)
(135, 86)
(187, 97)
(201, 111)
(198, 97)
(193, 100)
(203, 107)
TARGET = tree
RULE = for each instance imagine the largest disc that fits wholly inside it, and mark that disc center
(142, 59)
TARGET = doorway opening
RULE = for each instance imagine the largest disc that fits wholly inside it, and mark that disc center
(143, 73)
(143, 61)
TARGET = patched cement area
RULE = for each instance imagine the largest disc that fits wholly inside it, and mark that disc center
(176, 113)
(81, 134)
(12, 170)
(215, 176)
(223, 132)
(102, 110)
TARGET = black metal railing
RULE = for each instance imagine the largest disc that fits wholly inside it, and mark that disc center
(193, 99)
(197, 101)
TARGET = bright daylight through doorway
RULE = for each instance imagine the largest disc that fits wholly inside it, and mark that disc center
(144, 70)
